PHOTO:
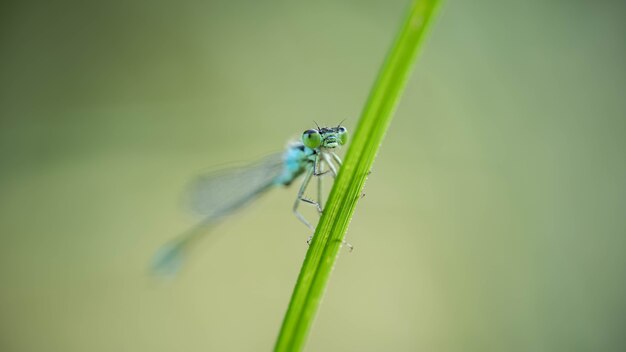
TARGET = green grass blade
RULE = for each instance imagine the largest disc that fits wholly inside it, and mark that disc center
(348, 186)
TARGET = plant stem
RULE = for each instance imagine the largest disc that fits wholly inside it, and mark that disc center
(346, 191)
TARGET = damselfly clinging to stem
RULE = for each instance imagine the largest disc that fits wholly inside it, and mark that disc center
(221, 193)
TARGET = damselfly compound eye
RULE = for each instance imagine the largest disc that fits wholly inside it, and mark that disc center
(311, 139)
(342, 135)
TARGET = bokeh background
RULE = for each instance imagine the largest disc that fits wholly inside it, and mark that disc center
(494, 218)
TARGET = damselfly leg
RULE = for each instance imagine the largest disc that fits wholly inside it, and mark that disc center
(318, 171)
(315, 169)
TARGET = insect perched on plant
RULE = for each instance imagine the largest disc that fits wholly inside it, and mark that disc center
(221, 193)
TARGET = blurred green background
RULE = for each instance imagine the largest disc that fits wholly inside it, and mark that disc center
(494, 218)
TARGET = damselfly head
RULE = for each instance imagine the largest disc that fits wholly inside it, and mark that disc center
(325, 137)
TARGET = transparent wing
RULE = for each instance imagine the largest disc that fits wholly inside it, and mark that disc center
(168, 260)
(219, 193)
(215, 195)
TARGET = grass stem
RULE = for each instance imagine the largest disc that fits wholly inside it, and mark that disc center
(348, 185)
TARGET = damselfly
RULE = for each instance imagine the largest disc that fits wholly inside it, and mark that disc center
(221, 193)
